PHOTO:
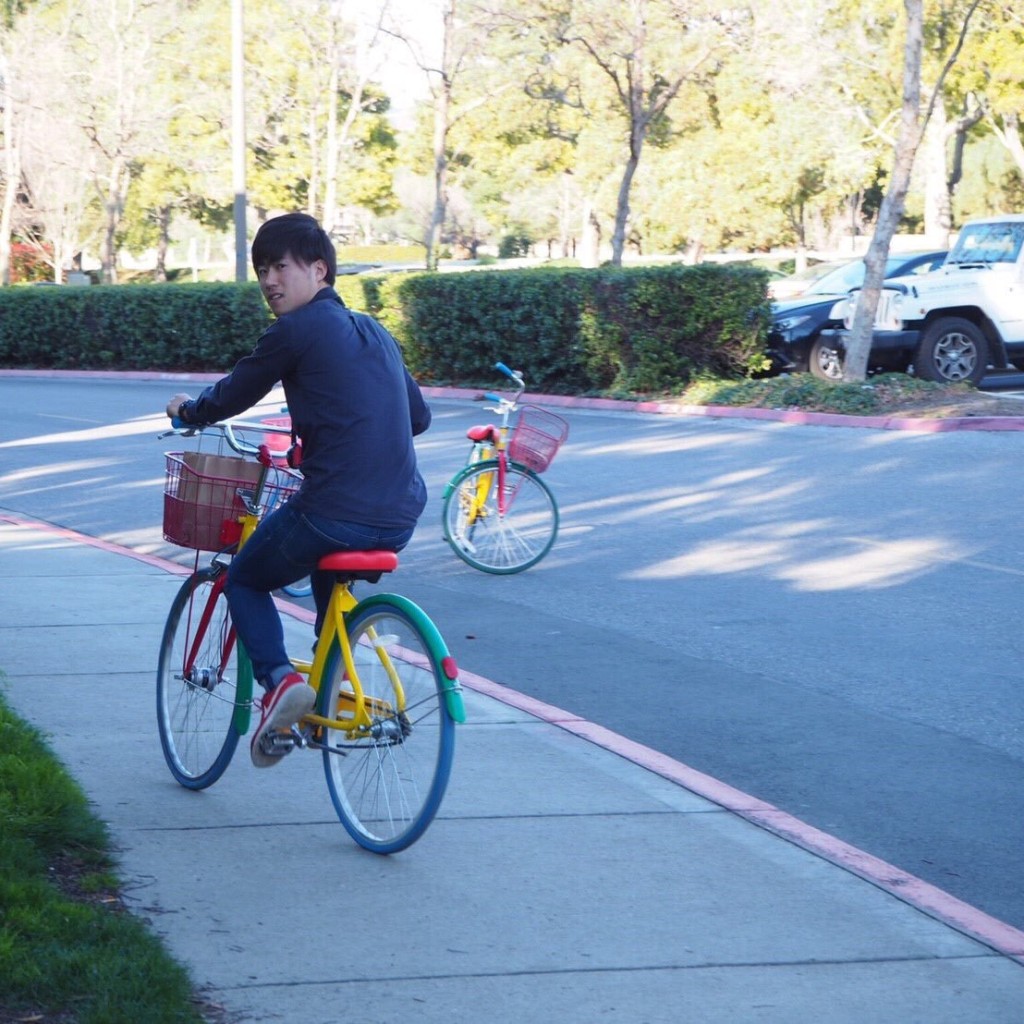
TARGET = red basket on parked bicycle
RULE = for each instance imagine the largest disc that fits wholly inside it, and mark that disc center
(201, 501)
(536, 438)
(278, 443)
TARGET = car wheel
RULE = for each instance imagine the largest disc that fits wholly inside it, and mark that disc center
(952, 350)
(825, 361)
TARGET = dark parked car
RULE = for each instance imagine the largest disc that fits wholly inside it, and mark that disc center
(795, 343)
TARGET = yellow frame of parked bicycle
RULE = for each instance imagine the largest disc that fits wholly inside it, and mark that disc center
(481, 453)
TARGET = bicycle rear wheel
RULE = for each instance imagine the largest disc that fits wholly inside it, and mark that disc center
(485, 538)
(201, 677)
(387, 782)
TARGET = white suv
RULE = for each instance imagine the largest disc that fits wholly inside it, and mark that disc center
(955, 322)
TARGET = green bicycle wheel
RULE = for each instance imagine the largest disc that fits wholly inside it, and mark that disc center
(490, 539)
(202, 679)
(387, 780)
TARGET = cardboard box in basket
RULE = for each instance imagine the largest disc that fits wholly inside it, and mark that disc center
(197, 487)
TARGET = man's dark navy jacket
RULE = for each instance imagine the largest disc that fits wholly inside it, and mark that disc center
(352, 402)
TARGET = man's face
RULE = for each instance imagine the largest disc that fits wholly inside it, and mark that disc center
(288, 284)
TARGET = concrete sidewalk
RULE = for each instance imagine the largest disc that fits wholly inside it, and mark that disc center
(562, 881)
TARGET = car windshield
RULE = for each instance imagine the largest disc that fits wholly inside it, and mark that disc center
(840, 281)
(989, 243)
(798, 283)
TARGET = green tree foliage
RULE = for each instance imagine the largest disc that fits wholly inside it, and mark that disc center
(645, 126)
(991, 72)
(10, 9)
(304, 83)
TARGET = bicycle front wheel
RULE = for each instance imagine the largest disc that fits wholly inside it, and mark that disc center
(387, 776)
(495, 536)
(199, 678)
(301, 588)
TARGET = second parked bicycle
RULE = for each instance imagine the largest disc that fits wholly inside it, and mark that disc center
(499, 516)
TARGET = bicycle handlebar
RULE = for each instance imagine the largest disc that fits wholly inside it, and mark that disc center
(505, 403)
(227, 431)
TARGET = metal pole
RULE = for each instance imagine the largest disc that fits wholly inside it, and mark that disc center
(238, 137)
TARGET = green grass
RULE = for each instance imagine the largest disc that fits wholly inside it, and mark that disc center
(69, 951)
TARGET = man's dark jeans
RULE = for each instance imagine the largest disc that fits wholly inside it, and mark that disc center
(286, 547)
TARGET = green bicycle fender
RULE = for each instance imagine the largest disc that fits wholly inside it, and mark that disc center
(438, 649)
(243, 691)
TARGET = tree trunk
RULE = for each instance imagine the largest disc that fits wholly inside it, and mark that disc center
(117, 190)
(12, 172)
(858, 342)
(437, 215)
(635, 99)
(944, 169)
(590, 236)
(622, 206)
(163, 243)
(938, 202)
(442, 113)
(330, 212)
(565, 206)
(313, 195)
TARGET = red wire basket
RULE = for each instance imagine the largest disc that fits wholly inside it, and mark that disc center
(201, 501)
(278, 443)
(536, 438)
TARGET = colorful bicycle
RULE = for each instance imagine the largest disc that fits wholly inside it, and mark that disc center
(498, 515)
(388, 695)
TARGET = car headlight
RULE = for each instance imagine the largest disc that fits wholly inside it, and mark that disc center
(789, 323)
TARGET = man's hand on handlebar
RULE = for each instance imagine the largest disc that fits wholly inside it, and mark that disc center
(174, 405)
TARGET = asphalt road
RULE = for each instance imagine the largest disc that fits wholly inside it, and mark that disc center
(826, 618)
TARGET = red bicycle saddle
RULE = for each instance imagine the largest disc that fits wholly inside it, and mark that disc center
(484, 432)
(359, 561)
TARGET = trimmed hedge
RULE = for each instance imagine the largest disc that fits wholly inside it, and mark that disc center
(186, 327)
(454, 327)
(612, 330)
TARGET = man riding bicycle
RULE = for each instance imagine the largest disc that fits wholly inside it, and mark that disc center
(356, 409)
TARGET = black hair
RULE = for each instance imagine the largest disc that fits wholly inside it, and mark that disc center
(297, 235)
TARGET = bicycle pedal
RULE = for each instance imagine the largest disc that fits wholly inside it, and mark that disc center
(300, 737)
(277, 744)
